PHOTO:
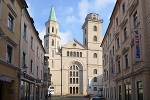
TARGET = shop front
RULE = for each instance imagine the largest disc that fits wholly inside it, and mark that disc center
(27, 88)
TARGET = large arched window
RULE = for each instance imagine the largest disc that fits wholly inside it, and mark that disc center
(95, 55)
(95, 79)
(74, 73)
(95, 71)
(52, 42)
(95, 28)
(52, 53)
(95, 38)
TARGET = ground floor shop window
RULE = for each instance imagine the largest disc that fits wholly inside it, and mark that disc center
(139, 90)
(128, 92)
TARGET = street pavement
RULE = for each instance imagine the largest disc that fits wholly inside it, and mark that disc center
(69, 98)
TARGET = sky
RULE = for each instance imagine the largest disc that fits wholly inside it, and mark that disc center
(70, 15)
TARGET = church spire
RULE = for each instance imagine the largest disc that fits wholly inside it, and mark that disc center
(52, 15)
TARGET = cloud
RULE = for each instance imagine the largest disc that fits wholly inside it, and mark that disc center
(69, 10)
(65, 37)
(71, 19)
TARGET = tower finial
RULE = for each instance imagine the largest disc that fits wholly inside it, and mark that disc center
(52, 15)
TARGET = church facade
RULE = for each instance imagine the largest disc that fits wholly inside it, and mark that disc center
(76, 68)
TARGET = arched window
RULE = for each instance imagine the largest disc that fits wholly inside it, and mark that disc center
(95, 55)
(53, 64)
(52, 42)
(71, 68)
(85, 41)
(95, 28)
(85, 31)
(71, 53)
(95, 79)
(74, 54)
(95, 71)
(70, 80)
(67, 53)
(52, 29)
(95, 38)
(70, 73)
(77, 54)
(52, 53)
(80, 54)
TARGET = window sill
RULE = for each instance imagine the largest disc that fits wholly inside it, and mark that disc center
(125, 40)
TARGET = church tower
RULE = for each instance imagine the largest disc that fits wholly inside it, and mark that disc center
(92, 38)
(52, 38)
(52, 48)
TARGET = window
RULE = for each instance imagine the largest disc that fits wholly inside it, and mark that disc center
(126, 61)
(118, 43)
(113, 50)
(25, 31)
(74, 54)
(85, 41)
(31, 65)
(37, 71)
(31, 42)
(123, 8)
(95, 28)
(95, 89)
(85, 31)
(37, 52)
(13, 2)
(67, 53)
(117, 21)
(52, 29)
(76, 73)
(70, 80)
(73, 80)
(70, 73)
(77, 54)
(95, 38)
(10, 21)
(76, 80)
(119, 92)
(135, 19)
(53, 64)
(95, 55)
(23, 59)
(119, 70)
(71, 53)
(46, 43)
(41, 74)
(48, 30)
(95, 71)
(80, 54)
(125, 33)
(52, 53)
(140, 90)
(95, 79)
(52, 42)
(9, 54)
(128, 92)
(73, 73)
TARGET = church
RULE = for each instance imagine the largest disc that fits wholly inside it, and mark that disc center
(76, 68)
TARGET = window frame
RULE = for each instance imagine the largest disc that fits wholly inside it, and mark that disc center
(95, 79)
(52, 42)
(11, 57)
(95, 38)
(126, 60)
(125, 33)
(95, 55)
(123, 8)
(25, 31)
(10, 22)
(95, 71)
(95, 28)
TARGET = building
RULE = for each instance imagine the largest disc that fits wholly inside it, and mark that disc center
(125, 46)
(10, 19)
(76, 68)
(31, 60)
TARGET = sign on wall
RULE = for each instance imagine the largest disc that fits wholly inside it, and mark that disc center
(137, 45)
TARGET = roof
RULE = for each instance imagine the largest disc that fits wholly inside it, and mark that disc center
(52, 15)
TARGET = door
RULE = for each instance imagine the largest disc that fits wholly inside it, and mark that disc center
(1, 89)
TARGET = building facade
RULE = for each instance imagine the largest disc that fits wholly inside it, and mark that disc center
(31, 60)
(126, 68)
(76, 68)
(10, 19)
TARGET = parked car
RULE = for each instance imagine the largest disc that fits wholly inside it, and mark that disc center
(98, 98)
(88, 96)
